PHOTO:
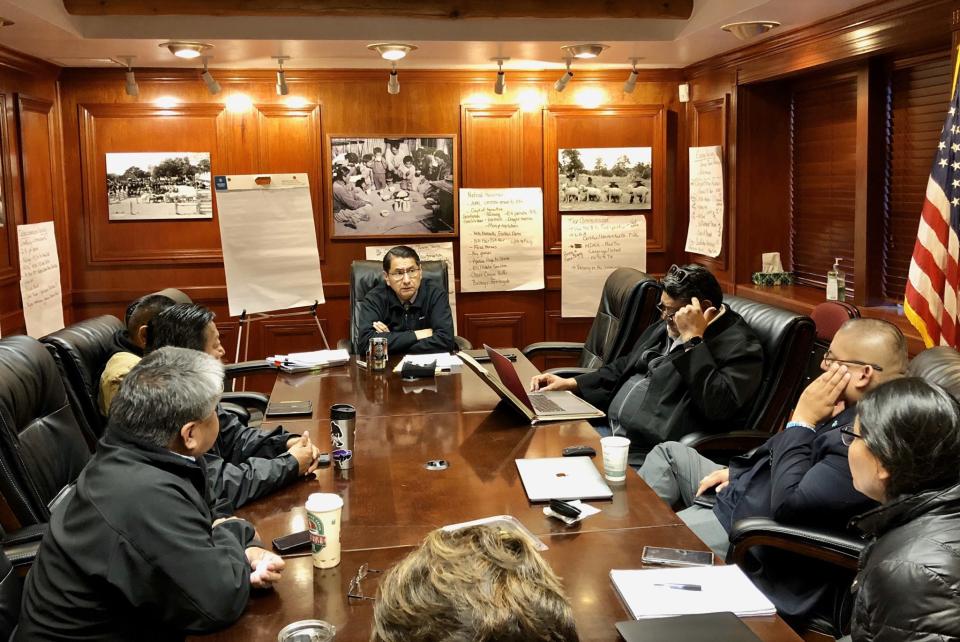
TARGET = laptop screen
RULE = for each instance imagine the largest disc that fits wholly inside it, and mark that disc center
(508, 376)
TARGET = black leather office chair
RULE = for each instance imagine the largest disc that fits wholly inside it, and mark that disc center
(365, 275)
(787, 338)
(81, 352)
(42, 445)
(627, 307)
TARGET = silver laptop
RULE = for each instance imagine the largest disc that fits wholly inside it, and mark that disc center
(538, 407)
(562, 478)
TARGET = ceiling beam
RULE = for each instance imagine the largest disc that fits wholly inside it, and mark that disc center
(450, 9)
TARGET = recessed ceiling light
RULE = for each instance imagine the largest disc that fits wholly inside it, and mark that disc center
(186, 49)
(589, 50)
(391, 50)
(750, 29)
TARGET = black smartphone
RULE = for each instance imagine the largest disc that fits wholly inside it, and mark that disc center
(292, 543)
(289, 408)
(676, 556)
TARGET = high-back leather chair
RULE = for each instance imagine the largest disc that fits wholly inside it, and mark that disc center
(365, 275)
(81, 351)
(787, 338)
(627, 308)
(42, 445)
(827, 317)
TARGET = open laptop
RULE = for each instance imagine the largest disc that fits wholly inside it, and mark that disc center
(538, 407)
(562, 478)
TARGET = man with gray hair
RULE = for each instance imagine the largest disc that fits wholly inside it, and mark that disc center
(133, 550)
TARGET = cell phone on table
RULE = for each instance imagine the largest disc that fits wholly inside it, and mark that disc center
(676, 556)
(289, 408)
(292, 543)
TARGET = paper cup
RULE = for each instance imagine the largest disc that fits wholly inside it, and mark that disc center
(615, 451)
(323, 520)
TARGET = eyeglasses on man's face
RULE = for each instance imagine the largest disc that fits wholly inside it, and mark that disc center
(829, 360)
(354, 590)
(667, 313)
(398, 275)
(847, 436)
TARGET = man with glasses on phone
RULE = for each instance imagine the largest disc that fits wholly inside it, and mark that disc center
(695, 370)
(799, 476)
(412, 314)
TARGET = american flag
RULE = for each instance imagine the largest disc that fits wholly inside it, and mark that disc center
(931, 298)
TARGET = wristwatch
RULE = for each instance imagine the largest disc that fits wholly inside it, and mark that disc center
(692, 342)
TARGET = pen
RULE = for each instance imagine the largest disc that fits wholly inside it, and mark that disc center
(681, 587)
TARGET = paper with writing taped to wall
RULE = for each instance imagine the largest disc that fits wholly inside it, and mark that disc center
(592, 247)
(40, 279)
(501, 239)
(428, 252)
(705, 231)
(269, 241)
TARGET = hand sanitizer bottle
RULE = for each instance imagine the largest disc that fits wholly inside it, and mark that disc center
(836, 283)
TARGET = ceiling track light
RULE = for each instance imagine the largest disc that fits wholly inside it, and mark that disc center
(393, 83)
(561, 83)
(187, 50)
(282, 88)
(212, 85)
(501, 83)
(130, 80)
(631, 83)
(392, 51)
(588, 50)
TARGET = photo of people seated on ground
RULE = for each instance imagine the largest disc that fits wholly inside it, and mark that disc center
(159, 185)
(392, 186)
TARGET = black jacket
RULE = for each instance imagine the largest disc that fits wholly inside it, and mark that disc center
(246, 463)
(131, 554)
(430, 309)
(708, 388)
(908, 587)
(799, 476)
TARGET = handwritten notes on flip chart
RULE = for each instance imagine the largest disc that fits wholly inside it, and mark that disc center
(705, 234)
(592, 248)
(40, 279)
(428, 252)
(501, 239)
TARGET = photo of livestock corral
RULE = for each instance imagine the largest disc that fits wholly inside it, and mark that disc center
(159, 185)
(605, 178)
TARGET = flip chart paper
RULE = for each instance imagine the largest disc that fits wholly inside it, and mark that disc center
(705, 232)
(40, 279)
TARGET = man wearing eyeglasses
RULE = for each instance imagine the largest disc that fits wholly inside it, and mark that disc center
(695, 370)
(412, 314)
(800, 476)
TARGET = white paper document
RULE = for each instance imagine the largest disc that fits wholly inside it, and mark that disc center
(501, 239)
(269, 242)
(40, 279)
(659, 592)
(301, 361)
(444, 361)
(592, 247)
(705, 232)
(428, 252)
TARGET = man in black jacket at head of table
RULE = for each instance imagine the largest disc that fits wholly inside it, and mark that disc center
(411, 313)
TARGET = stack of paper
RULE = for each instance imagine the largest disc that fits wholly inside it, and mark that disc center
(304, 361)
(445, 362)
(663, 592)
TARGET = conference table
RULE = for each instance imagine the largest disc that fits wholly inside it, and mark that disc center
(392, 501)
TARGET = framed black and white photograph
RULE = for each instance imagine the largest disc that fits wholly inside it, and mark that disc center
(159, 185)
(605, 178)
(383, 186)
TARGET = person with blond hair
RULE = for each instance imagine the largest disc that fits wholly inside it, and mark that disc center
(477, 584)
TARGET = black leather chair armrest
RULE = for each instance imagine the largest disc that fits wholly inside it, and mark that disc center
(235, 409)
(27, 534)
(21, 554)
(840, 550)
(570, 371)
(233, 370)
(552, 346)
(733, 443)
(247, 399)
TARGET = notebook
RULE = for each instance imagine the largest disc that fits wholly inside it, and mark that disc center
(706, 627)
(537, 407)
(655, 592)
(562, 478)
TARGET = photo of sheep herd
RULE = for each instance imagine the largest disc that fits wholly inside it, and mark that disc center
(605, 178)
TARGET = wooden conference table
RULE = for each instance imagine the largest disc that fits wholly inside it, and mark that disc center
(391, 501)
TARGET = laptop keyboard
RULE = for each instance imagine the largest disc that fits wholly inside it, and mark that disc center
(542, 404)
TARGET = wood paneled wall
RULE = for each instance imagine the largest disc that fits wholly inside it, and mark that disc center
(502, 144)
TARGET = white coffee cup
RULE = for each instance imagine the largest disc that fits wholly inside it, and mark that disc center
(323, 521)
(615, 451)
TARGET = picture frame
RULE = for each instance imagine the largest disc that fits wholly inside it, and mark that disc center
(605, 179)
(409, 189)
(152, 186)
